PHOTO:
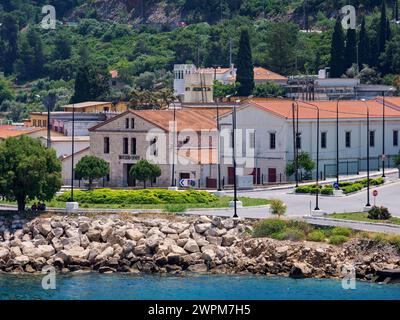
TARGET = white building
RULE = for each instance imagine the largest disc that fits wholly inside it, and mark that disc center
(269, 125)
(195, 85)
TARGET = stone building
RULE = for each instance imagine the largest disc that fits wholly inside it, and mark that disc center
(150, 134)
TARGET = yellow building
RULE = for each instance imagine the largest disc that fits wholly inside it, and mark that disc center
(96, 107)
(39, 119)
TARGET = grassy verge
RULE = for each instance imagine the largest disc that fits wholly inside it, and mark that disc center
(222, 202)
(300, 230)
(362, 216)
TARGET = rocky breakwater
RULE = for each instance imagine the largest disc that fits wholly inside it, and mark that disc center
(158, 245)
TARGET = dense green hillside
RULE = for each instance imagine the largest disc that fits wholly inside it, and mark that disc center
(143, 39)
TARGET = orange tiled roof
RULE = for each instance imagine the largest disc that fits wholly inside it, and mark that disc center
(347, 109)
(7, 131)
(186, 119)
(193, 119)
(264, 74)
(114, 74)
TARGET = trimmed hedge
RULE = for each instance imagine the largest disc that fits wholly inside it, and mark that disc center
(346, 187)
(145, 196)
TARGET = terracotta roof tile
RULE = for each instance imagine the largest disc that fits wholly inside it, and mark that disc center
(347, 109)
(7, 131)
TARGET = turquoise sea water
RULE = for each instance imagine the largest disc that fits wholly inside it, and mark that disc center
(135, 287)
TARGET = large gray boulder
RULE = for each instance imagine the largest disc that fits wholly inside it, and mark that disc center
(133, 234)
(44, 228)
(191, 246)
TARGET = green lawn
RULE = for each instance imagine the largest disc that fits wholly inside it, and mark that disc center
(221, 203)
(362, 216)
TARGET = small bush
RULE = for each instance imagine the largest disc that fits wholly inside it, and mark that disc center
(174, 208)
(327, 190)
(303, 189)
(341, 231)
(379, 213)
(300, 225)
(316, 235)
(352, 188)
(292, 234)
(268, 227)
(338, 239)
(277, 207)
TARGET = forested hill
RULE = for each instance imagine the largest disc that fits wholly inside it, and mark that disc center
(170, 12)
(143, 39)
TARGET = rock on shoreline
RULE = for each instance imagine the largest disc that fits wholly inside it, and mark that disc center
(116, 243)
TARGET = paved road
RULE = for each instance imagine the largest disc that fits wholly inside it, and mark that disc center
(300, 205)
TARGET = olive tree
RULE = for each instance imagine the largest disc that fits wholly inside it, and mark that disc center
(28, 171)
(91, 168)
(145, 170)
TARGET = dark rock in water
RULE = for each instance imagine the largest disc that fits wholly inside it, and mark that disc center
(296, 273)
(107, 270)
(173, 268)
(388, 276)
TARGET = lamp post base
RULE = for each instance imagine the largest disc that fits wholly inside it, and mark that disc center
(72, 206)
(318, 212)
(367, 208)
(218, 193)
(239, 204)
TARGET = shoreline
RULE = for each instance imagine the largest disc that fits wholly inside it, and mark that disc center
(179, 245)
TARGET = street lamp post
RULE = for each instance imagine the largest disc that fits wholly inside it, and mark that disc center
(294, 139)
(173, 180)
(383, 134)
(337, 139)
(73, 151)
(219, 148)
(318, 144)
(368, 205)
(235, 199)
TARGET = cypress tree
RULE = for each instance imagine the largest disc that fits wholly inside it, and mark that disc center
(388, 30)
(337, 63)
(395, 15)
(382, 35)
(9, 35)
(363, 45)
(35, 43)
(245, 68)
(351, 48)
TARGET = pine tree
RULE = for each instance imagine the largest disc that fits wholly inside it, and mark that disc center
(337, 63)
(351, 48)
(363, 45)
(382, 35)
(245, 68)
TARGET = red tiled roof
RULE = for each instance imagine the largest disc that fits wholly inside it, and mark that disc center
(7, 131)
(114, 74)
(192, 119)
(347, 109)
